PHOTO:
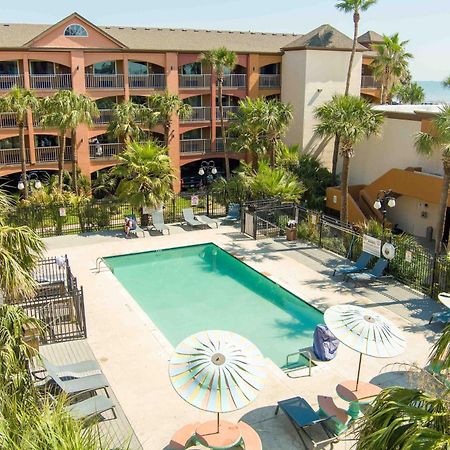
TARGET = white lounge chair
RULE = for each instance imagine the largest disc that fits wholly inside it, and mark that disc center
(158, 222)
(189, 218)
(208, 221)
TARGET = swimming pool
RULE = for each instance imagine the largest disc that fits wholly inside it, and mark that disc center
(189, 289)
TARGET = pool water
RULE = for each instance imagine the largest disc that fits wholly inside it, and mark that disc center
(189, 289)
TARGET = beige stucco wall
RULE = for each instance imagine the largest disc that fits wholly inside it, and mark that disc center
(309, 79)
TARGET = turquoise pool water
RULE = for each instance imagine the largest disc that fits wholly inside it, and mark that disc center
(189, 289)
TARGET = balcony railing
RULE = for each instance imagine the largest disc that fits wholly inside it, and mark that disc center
(8, 120)
(105, 117)
(9, 81)
(50, 154)
(11, 156)
(113, 81)
(105, 151)
(235, 81)
(195, 146)
(228, 112)
(51, 82)
(150, 81)
(199, 114)
(269, 81)
(369, 82)
(194, 81)
(219, 144)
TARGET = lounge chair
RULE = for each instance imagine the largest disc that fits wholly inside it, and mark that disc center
(158, 222)
(189, 218)
(375, 274)
(75, 369)
(93, 406)
(234, 213)
(302, 417)
(360, 265)
(208, 221)
(137, 229)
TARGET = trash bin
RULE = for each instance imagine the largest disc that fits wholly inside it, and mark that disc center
(291, 233)
(429, 234)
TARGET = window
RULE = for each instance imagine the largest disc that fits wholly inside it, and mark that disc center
(9, 68)
(105, 68)
(194, 101)
(75, 30)
(191, 69)
(137, 68)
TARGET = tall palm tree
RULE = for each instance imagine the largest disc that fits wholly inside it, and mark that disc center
(390, 64)
(440, 353)
(352, 119)
(446, 82)
(20, 101)
(219, 60)
(126, 121)
(409, 93)
(426, 144)
(355, 7)
(165, 106)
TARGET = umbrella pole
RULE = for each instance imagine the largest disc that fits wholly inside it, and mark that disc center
(359, 370)
(218, 419)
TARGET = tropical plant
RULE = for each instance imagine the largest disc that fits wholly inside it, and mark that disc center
(409, 93)
(390, 64)
(219, 60)
(165, 106)
(126, 121)
(145, 174)
(352, 119)
(446, 82)
(440, 353)
(19, 101)
(426, 144)
(104, 185)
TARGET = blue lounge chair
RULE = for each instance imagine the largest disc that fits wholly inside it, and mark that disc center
(234, 213)
(375, 274)
(360, 265)
(91, 407)
(302, 417)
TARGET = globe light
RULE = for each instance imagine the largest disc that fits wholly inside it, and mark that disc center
(21, 185)
(38, 184)
(377, 204)
(391, 202)
(214, 171)
(201, 172)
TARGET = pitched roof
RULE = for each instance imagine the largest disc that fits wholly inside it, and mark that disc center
(324, 37)
(370, 37)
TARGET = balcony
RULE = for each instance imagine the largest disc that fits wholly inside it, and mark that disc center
(9, 81)
(105, 117)
(199, 114)
(50, 154)
(105, 151)
(269, 81)
(51, 82)
(235, 81)
(8, 120)
(11, 156)
(150, 81)
(194, 81)
(219, 144)
(228, 112)
(113, 81)
(369, 82)
(195, 146)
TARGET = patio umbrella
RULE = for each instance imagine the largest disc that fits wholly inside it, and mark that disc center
(217, 371)
(365, 331)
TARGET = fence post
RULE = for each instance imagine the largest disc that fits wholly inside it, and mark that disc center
(255, 224)
(433, 275)
(320, 230)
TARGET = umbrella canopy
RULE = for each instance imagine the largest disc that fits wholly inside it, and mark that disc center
(365, 331)
(217, 371)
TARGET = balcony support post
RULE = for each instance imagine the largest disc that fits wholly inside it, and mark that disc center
(126, 82)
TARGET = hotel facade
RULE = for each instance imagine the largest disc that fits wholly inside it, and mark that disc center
(115, 64)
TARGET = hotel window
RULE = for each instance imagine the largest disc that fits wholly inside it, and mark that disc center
(105, 68)
(137, 68)
(191, 69)
(194, 101)
(76, 30)
(9, 68)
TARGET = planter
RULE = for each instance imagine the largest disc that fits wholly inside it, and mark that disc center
(291, 234)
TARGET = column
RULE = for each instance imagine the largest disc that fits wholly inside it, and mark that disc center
(213, 111)
(253, 76)
(26, 85)
(126, 82)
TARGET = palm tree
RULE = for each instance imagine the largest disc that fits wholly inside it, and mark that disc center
(446, 82)
(146, 175)
(440, 353)
(352, 119)
(20, 101)
(426, 143)
(353, 6)
(219, 60)
(409, 93)
(165, 106)
(126, 121)
(390, 64)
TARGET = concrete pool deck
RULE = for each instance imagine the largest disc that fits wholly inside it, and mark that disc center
(134, 354)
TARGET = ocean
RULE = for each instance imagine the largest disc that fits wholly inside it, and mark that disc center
(435, 92)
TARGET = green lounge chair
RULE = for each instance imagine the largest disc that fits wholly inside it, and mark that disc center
(74, 368)
(189, 218)
(208, 221)
(91, 407)
(158, 222)
(360, 265)
(375, 274)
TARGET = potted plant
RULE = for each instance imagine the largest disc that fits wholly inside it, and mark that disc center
(291, 230)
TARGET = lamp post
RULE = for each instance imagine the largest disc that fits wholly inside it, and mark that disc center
(384, 200)
(31, 177)
(207, 171)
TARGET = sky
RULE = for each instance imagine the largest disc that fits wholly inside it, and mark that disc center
(425, 23)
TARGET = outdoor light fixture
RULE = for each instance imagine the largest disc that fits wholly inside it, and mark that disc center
(29, 178)
(384, 200)
(38, 184)
(207, 170)
(21, 185)
(391, 202)
(201, 172)
(377, 204)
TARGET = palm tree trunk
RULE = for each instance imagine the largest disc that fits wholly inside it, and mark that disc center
(222, 128)
(442, 208)
(74, 161)
(352, 56)
(337, 142)
(344, 188)
(23, 159)
(62, 149)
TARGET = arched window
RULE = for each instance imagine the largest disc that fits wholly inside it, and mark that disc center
(75, 30)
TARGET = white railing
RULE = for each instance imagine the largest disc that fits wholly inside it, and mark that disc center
(195, 145)
(11, 156)
(105, 151)
(8, 120)
(369, 81)
(50, 154)
(199, 114)
(219, 144)
(194, 81)
(269, 81)
(51, 82)
(150, 81)
(113, 81)
(235, 80)
(105, 117)
(9, 81)
(228, 111)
